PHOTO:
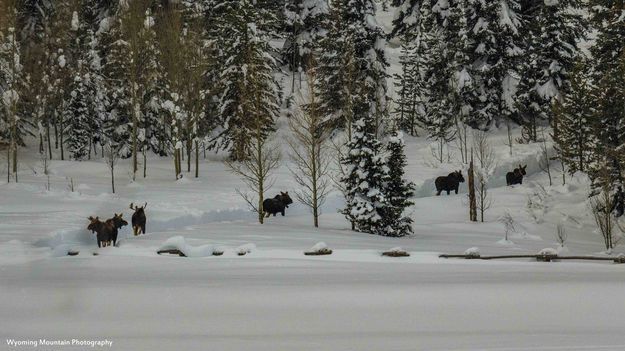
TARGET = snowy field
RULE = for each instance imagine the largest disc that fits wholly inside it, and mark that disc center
(275, 298)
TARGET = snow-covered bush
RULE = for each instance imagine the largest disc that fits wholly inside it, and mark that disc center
(472, 252)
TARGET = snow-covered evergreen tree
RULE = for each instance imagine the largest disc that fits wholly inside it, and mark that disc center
(154, 87)
(608, 55)
(407, 16)
(573, 121)
(118, 124)
(554, 29)
(365, 179)
(398, 190)
(438, 117)
(353, 30)
(85, 105)
(495, 38)
(406, 102)
(305, 26)
(248, 88)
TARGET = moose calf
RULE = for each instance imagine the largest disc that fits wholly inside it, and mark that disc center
(138, 219)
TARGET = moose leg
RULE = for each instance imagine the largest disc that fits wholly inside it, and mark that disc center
(438, 193)
(283, 213)
(143, 229)
(135, 230)
(456, 191)
(448, 192)
(99, 243)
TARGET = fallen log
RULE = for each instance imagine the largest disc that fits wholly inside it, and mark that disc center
(541, 258)
(321, 252)
(395, 254)
(171, 252)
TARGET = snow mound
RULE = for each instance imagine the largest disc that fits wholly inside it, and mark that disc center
(245, 249)
(473, 252)
(548, 252)
(180, 243)
(318, 247)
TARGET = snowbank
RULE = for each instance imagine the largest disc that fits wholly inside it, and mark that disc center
(180, 243)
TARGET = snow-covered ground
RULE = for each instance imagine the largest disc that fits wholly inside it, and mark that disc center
(275, 298)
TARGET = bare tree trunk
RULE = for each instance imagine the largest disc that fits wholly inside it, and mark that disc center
(472, 200)
(56, 133)
(197, 159)
(49, 140)
(145, 162)
(189, 151)
(62, 141)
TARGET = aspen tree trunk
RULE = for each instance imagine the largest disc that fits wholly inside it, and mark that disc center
(472, 200)
(197, 159)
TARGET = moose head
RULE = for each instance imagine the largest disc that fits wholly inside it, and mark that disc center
(118, 221)
(138, 209)
(94, 224)
(459, 177)
(521, 170)
(285, 198)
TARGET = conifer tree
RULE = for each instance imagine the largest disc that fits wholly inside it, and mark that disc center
(438, 116)
(407, 16)
(11, 84)
(607, 54)
(555, 28)
(574, 117)
(398, 190)
(305, 25)
(153, 127)
(118, 124)
(406, 102)
(495, 46)
(244, 44)
(353, 30)
(365, 179)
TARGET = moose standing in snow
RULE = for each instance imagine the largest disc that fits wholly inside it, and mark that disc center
(117, 222)
(277, 205)
(449, 183)
(516, 176)
(138, 218)
(104, 231)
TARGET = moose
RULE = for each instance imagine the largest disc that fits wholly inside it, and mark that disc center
(277, 205)
(516, 176)
(138, 219)
(449, 183)
(104, 230)
(118, 223)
